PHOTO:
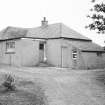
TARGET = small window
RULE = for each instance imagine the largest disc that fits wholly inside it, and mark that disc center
(10, 45)
(99, 54)
(41, 46)
(74, 54)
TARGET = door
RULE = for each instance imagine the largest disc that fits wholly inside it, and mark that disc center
(64, 56)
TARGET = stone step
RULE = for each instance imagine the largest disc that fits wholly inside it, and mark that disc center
(42, 64)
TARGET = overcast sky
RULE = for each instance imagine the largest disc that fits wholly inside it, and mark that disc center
(29, 13)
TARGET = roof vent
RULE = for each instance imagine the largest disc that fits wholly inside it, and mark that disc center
(44, 22)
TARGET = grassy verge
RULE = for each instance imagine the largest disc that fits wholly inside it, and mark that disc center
(27, 93)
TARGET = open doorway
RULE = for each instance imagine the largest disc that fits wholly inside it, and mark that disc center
(42, 51)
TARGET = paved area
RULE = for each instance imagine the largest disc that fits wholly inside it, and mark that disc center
(65, 86)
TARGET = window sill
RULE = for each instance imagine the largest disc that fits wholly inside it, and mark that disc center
(9, 52)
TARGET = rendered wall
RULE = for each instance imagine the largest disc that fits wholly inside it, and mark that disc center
(85, 60)
(70, 62)
(58, 53)
(53, 52)
(26, 53)
(92, 61)
(4, 58)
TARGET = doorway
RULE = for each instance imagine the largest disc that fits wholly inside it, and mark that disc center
(42, 51)
(64, 61)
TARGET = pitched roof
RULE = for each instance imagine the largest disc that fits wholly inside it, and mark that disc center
(55, 31)
(86, 46)
(12, 32)
(51, 31)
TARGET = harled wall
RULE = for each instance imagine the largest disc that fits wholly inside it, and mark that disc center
(26, 53)
(53, 52)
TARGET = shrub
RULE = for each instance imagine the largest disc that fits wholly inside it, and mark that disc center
(9, 83)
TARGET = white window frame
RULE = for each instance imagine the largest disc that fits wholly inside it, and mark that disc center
(74, 54)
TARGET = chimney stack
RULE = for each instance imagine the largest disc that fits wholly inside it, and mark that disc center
(44, 22)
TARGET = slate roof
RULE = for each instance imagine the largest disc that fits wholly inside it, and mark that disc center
(86, 46)
(13, 32)
(51, 31)
(57, 30)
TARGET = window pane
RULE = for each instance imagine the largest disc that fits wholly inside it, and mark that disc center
(41, 46)
(7, 45)
(74, 54)
(10, 45)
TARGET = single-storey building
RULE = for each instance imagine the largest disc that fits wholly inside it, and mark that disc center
(54, 45)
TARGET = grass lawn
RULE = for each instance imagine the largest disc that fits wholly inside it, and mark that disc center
(27, 93)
